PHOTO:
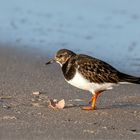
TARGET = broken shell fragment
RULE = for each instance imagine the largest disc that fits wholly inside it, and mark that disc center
(57, 104)
(61, 104)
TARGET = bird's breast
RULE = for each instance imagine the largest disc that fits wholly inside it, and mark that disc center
(81, 82)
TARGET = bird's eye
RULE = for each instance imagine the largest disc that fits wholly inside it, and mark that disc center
(60, 55)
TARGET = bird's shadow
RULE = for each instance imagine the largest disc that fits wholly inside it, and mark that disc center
(122, 106)
(116, 106)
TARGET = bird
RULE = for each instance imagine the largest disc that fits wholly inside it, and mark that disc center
(90, 74)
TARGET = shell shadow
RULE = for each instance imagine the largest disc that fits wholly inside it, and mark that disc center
(73, 106)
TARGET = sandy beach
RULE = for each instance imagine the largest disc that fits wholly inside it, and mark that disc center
(24, 116)
(31, 32)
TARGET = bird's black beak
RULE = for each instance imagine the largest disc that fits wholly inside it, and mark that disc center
(50, 61)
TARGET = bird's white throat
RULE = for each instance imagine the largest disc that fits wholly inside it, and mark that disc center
(59, 63)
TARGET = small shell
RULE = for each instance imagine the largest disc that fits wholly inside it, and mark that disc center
(36, 93)
(57, 104)
(52, 103)
(61, 104)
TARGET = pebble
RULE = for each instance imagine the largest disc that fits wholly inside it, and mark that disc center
(36, 93)
(88, 131)
(9, 118)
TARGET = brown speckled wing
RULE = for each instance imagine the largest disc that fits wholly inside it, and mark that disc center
(96, 70)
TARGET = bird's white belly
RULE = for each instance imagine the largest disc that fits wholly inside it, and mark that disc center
(80, 82)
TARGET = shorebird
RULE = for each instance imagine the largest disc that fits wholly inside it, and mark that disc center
(89, 73)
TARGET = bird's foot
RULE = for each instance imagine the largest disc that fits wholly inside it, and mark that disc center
(88, 108)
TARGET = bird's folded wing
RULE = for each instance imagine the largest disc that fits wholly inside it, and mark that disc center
(96, 70)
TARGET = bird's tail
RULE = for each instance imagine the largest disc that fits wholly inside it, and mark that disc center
(129, 78)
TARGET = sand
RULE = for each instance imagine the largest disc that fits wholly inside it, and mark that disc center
(24, 116)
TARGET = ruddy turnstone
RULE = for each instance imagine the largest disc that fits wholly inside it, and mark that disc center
(91, 74)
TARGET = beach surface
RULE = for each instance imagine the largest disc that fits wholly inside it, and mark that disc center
(24, 116)
(31, 32)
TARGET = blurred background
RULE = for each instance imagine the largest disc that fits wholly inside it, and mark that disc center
(108, 30)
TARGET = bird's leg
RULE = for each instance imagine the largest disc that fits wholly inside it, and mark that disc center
(98, 95)
(93, 102)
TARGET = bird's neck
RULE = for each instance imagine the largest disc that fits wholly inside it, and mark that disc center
(68, 70)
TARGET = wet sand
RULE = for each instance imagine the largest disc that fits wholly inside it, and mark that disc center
(26, 117)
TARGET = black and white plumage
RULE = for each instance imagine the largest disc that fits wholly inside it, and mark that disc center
(88, 73)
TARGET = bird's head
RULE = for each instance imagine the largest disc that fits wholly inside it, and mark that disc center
(61, 57)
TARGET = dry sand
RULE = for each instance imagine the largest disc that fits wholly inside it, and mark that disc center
(26, 117)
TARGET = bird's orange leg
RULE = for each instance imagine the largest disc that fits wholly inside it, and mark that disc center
(93, 102)
(98, 95)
